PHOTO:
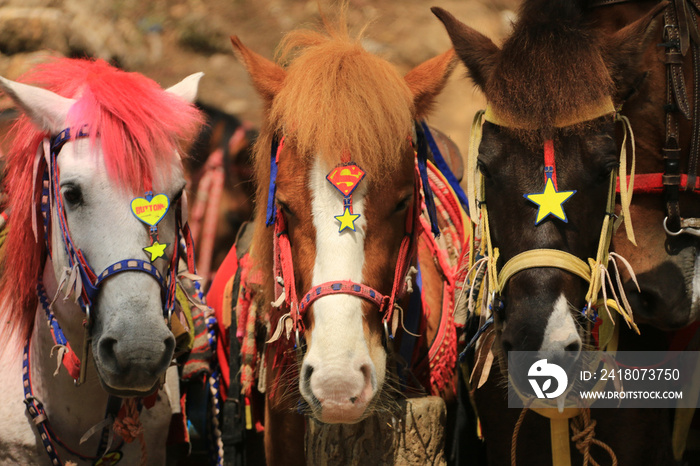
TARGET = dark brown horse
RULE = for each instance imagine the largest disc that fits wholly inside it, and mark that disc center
(667, 141)
(548, 162)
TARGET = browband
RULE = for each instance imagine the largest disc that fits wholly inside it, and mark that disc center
(596, 110)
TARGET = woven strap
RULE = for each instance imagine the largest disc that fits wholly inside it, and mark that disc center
(543, 258)
(344, 287)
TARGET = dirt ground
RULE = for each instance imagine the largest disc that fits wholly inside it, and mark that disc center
(193, 36)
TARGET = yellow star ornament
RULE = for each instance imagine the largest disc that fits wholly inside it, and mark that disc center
(347, 220)
(550, 202)
(156, 250)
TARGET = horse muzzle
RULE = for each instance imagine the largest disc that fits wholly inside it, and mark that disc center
(339, 393)
(133, 365)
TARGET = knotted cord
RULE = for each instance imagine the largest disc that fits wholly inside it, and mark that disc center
(583, 429)
(129, 427)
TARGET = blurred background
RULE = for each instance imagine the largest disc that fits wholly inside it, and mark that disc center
(170, 39)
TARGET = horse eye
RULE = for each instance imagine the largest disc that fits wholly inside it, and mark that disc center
(403, 204)
(177, 196)
(607, 169)
(482, 168)
(72, 195)
(285, 208)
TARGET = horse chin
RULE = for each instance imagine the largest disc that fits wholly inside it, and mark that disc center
(129, 392)
(343, 413)
(133, 384)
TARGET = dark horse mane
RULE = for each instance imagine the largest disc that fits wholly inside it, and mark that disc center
(549, 70)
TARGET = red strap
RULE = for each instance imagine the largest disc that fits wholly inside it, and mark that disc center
(342, 287)
(284, 267)
(652, 183)
(279, 149)
(71, 362)
(215, 300)
(550, 162)
(407, 248)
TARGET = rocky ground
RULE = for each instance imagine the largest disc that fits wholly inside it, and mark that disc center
(169, 39)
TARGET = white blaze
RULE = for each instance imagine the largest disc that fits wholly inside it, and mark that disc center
(339, 256)
(561, 329)
(346, 373)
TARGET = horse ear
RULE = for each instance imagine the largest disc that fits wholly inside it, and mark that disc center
(477, 52)
(623, 51)
(46, 109)
(268, 77)
(187, 88)
(428, 79)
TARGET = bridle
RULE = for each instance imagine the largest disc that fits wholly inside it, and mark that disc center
(593, 270)
(83, 283)
(285, 286)
(82, 280)
(680, 35)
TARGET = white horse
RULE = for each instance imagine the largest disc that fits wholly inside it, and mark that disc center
(121, 141)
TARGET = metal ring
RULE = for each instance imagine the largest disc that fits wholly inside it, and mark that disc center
(669, 232)
(388, 338)
(686, 230)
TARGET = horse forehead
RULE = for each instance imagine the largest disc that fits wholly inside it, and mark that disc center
(85, 160)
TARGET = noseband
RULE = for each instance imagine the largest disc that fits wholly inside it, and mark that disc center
(285, 286)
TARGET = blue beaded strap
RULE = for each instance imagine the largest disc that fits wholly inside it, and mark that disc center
(37, 413)
(441, 164)
(422, 158)
(36, 410)
(125, 265)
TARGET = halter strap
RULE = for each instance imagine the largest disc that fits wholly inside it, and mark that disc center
(37, 413)
(543, 258)
(343, 287)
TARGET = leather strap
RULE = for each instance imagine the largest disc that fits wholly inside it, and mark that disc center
(599, 3)
(675, 93)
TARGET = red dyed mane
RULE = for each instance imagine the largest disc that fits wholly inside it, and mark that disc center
(139, 127)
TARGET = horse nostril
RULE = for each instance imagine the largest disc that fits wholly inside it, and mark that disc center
(107, 349)
(370, 381)
(308, 370)
(574, 347)
(169, 344)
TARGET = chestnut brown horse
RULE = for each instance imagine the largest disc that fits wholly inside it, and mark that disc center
(339, 231)
(548, 166)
